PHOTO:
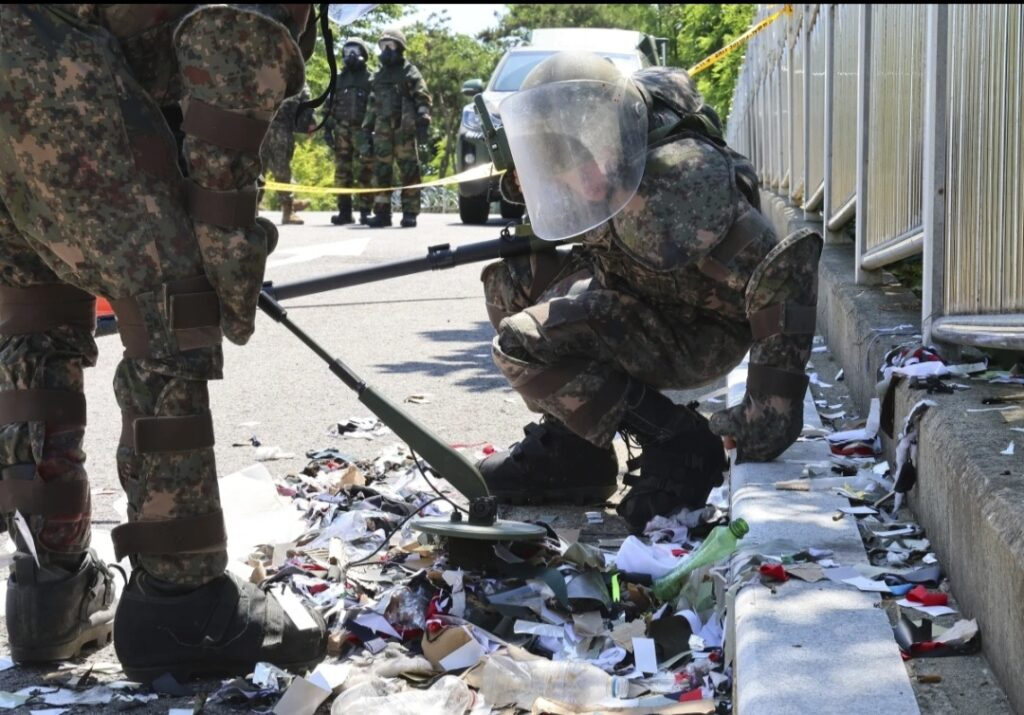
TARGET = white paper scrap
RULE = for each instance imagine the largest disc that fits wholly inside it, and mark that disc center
(867, 584)
(858, 510)
(1008, 451)
(454, 580)
(465, 656)
(377, 623)
(329, 675)
(933, 611)
(635, 556)
(60, 711)
(645, 656)
(292, 605)
(255, 513)
(301, 698)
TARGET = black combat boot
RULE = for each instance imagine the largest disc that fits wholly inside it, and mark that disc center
(681, 459)
(553, 465)
(408, 220)
(51, 616)
(222, 628)
(344, 215)
(364, 217)
(382, 219)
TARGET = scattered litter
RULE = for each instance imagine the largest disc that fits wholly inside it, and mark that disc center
(1009, 450)
(420, 398)
(595, 517)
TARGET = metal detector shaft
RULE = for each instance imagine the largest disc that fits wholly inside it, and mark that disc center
(451, 465)
(438, 257)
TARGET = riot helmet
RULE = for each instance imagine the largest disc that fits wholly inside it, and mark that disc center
(577, 131)
(354, 53)
(392, 46)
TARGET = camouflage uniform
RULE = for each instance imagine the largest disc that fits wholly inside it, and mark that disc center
(91, 204)
(672, 292)
(348, 140)
(398, 95)
(279, 144)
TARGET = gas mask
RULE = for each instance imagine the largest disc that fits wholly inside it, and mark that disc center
(353, 57)
(390, 53)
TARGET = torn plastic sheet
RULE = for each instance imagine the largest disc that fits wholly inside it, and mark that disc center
(634, 556)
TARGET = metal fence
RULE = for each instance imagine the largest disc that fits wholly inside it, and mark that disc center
(908, 120)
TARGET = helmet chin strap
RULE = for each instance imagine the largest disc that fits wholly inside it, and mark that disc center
(332, 63)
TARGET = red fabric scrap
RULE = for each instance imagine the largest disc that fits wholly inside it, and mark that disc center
(919, 594)
(775, 572)
(695, 694)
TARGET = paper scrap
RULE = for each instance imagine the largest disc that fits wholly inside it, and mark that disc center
(867, 584)
(466, 656)
(1008, 451)
(329, 675)
(933, 611)
(644, 655)
(858, 510)
(635, 556)
(806, 572)
(301, 698)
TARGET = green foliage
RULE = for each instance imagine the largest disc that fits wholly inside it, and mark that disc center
(694, 32)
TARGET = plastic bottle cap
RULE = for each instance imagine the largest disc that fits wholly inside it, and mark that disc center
(739, 527)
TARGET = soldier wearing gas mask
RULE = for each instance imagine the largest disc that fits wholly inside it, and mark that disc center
(343, 130)
(398, 117)
(678, 275)
(94, 202)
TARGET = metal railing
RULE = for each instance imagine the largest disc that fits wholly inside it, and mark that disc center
(908, 119)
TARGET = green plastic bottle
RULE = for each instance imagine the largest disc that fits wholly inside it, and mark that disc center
(721, 542)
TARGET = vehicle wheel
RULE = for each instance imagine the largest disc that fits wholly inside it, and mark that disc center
(474, 209)
(512, 211)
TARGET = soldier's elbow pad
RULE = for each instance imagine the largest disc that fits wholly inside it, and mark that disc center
(237, 68)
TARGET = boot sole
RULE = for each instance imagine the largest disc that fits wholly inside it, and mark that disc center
(574, 495)
(100, 635)
(182, 672)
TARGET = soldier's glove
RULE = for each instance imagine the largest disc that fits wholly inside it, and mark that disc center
(765, 424)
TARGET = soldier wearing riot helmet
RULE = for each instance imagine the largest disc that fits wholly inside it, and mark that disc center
(676, 278)
(352, 148)
(398, 117)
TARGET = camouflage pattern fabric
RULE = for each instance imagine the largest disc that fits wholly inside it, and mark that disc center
(398, 94)
(637, 299)
(90, 195)
(279, 144)
(353, 164)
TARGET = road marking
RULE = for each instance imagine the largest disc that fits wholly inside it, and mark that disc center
(303, 254)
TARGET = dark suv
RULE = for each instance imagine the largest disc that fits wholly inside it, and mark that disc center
(629, 50)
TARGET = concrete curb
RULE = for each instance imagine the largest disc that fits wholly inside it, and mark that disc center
(807, 647)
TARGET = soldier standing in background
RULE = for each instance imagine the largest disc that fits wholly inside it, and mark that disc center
(279, 148)
(343, 130)
(93, 202)
(398, 116)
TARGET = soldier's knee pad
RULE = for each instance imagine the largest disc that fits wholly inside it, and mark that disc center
(41, 309)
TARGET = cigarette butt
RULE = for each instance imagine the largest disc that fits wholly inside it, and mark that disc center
(929, 678)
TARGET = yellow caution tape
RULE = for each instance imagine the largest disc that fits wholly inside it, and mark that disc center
(484, 171)
(714, 57)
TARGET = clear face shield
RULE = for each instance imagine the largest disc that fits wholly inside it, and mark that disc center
(579, 149)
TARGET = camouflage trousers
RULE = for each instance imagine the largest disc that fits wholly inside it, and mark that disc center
(568, 344)
(391, 146)
(276, 156)
(88, 208)
(351, 168)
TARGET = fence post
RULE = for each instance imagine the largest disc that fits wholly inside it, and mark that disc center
(863, 117)
(830, 70)
(933, 192)
(788, 49)
(805, 140)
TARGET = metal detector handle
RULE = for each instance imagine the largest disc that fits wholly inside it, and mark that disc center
(444, 460)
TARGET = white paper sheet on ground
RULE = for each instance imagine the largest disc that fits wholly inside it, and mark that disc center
(295, 609)
(644, 655)
(713, 633)
(902, 531)
(933, 611)
(454, 580)
(301, 698)
(465, 656)
(815, 380)
(544, 630)
(867, 432)
(1008, 451)
(60, 711)
(634, 556)
(271, 452)
(255, 513)
(867, 584)
(100, 695)
(377, 623)
(960, 632)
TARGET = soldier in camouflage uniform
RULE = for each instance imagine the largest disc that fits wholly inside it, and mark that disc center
(677, 276)
(279, 147)
(343, 130)
(398, 117)
(93, 203)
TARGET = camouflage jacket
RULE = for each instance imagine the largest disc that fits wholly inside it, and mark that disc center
(397, 95)
(288, 118)
(351, 96)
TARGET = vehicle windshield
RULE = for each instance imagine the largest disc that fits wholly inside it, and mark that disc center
(517, 65)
